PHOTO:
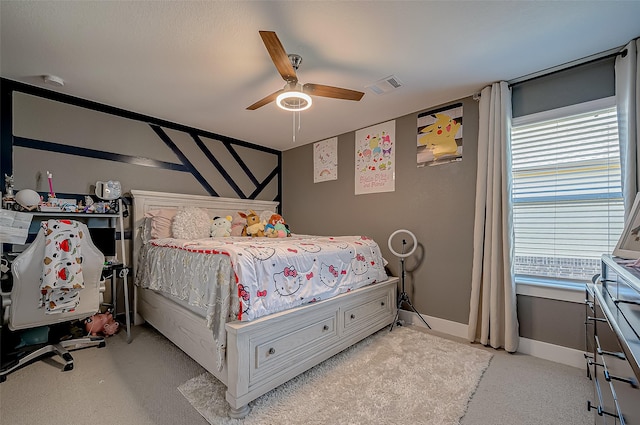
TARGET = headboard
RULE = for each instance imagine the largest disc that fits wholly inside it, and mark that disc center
(144, 201)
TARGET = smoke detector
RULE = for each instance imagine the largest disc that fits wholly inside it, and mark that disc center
(53, 80)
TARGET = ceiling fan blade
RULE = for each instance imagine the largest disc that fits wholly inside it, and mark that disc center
(279, 56)
(265, 100)
(334, 92)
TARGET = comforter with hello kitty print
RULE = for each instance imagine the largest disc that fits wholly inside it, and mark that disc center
(266, 275)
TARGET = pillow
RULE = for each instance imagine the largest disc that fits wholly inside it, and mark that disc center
(160, 222)
(265, 216)
(191, 223)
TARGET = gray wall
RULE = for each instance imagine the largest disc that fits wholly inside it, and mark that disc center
(437, 204)
(583, 83)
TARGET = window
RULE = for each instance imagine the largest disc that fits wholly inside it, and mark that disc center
(567, 197)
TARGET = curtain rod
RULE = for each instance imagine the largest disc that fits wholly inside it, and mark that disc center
(555, 70)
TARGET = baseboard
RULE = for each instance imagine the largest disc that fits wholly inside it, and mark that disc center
(555, 353)
(544, 350)
(437, 324)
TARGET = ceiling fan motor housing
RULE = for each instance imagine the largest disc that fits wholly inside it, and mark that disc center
(296, 60)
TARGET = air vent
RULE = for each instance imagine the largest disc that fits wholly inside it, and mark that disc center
(385, 85)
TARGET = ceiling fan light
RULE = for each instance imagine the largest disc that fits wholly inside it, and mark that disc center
(294, 101)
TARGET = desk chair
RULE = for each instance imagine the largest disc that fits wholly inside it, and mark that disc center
(20, 305)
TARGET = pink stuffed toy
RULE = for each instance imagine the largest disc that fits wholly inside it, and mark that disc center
(101, 324)
(238, 225)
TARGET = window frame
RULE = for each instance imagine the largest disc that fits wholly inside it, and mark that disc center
(544, 287)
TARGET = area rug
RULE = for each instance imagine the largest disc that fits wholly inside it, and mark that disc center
(403, 376)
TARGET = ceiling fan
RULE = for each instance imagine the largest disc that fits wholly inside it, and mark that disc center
(295, 96)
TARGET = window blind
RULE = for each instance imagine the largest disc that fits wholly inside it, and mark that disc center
(567, 198)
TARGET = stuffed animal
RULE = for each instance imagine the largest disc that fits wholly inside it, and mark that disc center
(221, 227)
(238, 225)
(276, 227)
(101, 324)
(255, 227)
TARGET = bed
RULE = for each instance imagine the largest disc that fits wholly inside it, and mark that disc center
(251, 343)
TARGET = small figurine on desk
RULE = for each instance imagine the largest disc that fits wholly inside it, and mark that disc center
(8, 184)
(8, 200)
(89, 208)
(102, 207)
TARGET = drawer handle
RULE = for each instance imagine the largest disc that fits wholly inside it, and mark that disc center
(272, 350)
(382, 303)
(325, 328)
(602, 352)
(353, 316)
(631, 381)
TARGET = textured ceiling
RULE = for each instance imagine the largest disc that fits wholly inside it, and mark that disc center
(202, 63)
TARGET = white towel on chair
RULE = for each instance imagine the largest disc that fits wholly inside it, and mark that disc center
(62, 266)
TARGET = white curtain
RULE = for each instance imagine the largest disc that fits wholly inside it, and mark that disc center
(493, 318)
(628, 103)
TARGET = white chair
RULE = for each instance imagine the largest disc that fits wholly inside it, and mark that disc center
(21, 311)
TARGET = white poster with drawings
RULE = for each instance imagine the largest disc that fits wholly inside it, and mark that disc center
(375, 159)
(325, 160)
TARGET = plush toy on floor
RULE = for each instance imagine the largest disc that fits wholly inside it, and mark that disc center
(101, 324)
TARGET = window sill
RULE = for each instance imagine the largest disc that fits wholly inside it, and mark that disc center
(564, 291)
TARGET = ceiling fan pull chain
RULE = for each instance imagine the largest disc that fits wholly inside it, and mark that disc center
(294, 129)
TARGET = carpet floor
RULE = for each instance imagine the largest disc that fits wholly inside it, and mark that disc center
(403, 376)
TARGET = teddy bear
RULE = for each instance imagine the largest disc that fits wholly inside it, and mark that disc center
(276, 227)
(221, 227)
(101, 324)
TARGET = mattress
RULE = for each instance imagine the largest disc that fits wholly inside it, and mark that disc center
(247, 278)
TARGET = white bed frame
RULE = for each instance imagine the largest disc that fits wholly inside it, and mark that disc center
(267, 352)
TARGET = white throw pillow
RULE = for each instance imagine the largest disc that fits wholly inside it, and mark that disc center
(191, 223)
